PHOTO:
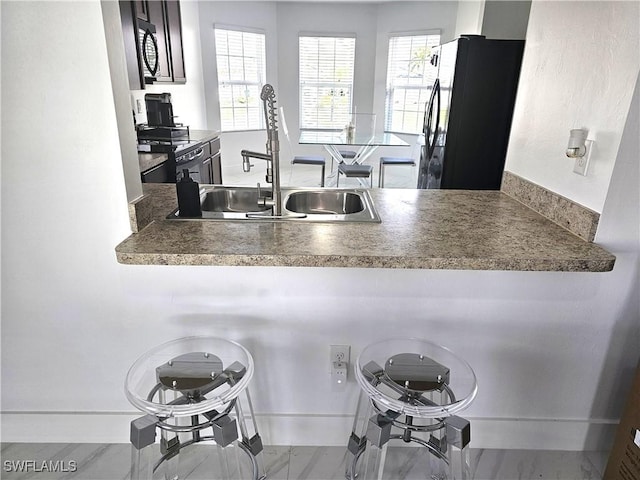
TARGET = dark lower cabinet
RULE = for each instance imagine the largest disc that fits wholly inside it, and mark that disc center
(205, 167)
(216, 162)
(163, 173)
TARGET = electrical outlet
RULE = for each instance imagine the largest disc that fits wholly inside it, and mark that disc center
(339, 366)
(339, 354)
(582, 163)
(138, 105)
(339, 373)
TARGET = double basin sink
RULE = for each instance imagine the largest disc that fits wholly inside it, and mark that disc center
(298, 204)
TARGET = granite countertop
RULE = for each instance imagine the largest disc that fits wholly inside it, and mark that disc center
(424, 229)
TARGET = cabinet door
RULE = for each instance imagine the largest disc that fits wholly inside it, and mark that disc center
(130, 33)
(174, 28)
(142, 9)
(157, 18)
(216, 161)
(216, 169)
(163, 173)
(207, 172)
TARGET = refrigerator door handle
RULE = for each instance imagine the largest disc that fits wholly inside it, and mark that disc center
(435, 95)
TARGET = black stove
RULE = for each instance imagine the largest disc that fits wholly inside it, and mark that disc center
(173, 140)
(174, 146)
(183, 153)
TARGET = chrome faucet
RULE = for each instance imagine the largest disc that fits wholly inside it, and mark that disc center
(272, 157)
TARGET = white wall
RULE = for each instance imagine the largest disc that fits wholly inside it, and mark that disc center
(552, 351)
(469, 19)
(504, 19)
(580, 65)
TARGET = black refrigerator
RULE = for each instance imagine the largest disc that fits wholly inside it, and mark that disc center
(468, 117)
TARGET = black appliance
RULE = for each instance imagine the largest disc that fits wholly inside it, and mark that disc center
(183, 153)
(148, 45)
(159, 110)
(468, 117)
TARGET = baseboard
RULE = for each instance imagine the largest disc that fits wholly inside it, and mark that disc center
(285, 429)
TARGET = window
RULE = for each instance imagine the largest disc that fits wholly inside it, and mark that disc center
(410, 77)
(240, 57)
(326, 81)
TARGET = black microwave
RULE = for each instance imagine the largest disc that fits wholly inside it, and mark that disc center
(148, 50)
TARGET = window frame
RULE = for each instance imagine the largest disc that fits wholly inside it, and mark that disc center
(331, 124)
(258, 83)
(424, 89)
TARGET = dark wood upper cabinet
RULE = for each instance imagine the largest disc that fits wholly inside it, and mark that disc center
(132, 56)
(165, 16)
(157, 18)
(174, 24)
(142, 9)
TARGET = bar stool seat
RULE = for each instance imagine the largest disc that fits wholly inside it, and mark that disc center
(347, 154)
(185, 388)
(411, 391)
(311, 160)
(390, 161)
(354, 170)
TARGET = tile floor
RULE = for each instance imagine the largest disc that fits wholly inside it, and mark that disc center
(111, 462)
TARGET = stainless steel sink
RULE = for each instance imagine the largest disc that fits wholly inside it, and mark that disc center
(322, 202)
(299, 205)
(232, 200)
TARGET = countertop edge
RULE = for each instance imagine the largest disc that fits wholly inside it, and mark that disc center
(528, 265)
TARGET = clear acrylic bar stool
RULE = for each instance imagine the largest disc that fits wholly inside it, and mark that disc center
(194, 390)
(411, 390)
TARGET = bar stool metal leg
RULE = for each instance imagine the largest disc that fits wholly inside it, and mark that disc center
(458, 435)
(378, 436)
(251, 441)
(143, 436)
(358, 439)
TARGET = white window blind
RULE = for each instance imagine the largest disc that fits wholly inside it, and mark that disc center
(410, 77)
(240, 57)
(326, 81)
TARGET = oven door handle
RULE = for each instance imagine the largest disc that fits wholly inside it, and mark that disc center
(198, 153)
(185, 158)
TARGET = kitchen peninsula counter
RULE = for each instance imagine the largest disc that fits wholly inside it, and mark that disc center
(420, 229)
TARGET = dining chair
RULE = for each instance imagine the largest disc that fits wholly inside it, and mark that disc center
(395, 161)
(302, 159)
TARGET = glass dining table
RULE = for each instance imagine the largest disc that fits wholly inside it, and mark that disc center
(336, 142)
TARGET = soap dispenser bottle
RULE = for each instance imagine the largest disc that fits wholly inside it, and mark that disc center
(188, 196)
